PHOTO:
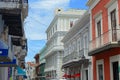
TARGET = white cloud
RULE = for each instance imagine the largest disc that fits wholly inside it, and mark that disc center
(36, 36)
(49, 4)
(41, 12)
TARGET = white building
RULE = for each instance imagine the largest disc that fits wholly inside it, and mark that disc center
(30, 70)
(59, 26)
(76, 63)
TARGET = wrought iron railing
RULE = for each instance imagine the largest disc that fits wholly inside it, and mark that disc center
(109, 37)
(83, 53)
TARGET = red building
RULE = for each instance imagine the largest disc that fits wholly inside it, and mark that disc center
(105, 37)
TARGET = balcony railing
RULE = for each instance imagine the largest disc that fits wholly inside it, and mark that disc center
(83, 53)
(53, 48)
(109, 37)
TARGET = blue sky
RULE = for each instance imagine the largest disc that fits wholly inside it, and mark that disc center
(41, 13)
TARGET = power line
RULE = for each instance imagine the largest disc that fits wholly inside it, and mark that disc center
(36, 19)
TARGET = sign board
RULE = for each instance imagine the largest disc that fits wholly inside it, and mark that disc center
(13, 63)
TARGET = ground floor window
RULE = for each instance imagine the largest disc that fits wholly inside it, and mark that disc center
(100, 69)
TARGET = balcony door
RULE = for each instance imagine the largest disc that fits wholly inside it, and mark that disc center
(115, 69)
(113, 25)
(99, 33)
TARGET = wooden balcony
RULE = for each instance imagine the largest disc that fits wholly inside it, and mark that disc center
(106, 41)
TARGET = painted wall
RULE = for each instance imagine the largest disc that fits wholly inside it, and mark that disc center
(106, 56)
(97, 9)
(3, 73)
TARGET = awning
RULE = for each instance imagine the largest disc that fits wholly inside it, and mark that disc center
(67, 76)
(77, 75)
(20, 72)
(71, 76)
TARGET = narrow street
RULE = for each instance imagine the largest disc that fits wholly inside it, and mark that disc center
(59, 40)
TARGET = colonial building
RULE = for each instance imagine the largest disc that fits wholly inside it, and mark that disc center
(30, 70)
(42, 63)
(76, 62)
(37, 67)
(59, 26)
(13, 44)
(104, 44)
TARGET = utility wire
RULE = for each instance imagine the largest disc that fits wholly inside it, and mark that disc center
(36, 19)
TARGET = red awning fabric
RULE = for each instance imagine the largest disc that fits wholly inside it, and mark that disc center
(71, 76)
(77, 75)
(67, 76)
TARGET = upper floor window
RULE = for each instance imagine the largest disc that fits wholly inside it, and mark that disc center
(71, 24)
(56, 27)
(113, 25)
(113, 20)
(98, 22)
(85, 41)
(99, 28)
(53, 30)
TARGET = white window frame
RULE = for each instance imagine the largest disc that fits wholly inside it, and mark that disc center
(114, 59)
(78, 45)
(85, 43)
(111, 6)
(98, 62)
(97, 19)
(84, 73)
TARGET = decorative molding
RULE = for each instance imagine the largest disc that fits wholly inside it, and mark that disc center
(109, 3)
(97, 14)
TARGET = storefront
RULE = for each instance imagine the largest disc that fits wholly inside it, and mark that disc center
(5, 53)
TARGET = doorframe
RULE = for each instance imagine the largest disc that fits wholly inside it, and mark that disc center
(114, 59)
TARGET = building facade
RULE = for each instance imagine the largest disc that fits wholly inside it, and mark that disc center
(59, 26)
(42, 63)
(76, 62)
(13, 44)
(37, 67)
(104, 39)
(30, 70)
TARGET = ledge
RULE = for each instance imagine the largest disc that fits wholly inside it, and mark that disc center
(104, 48)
